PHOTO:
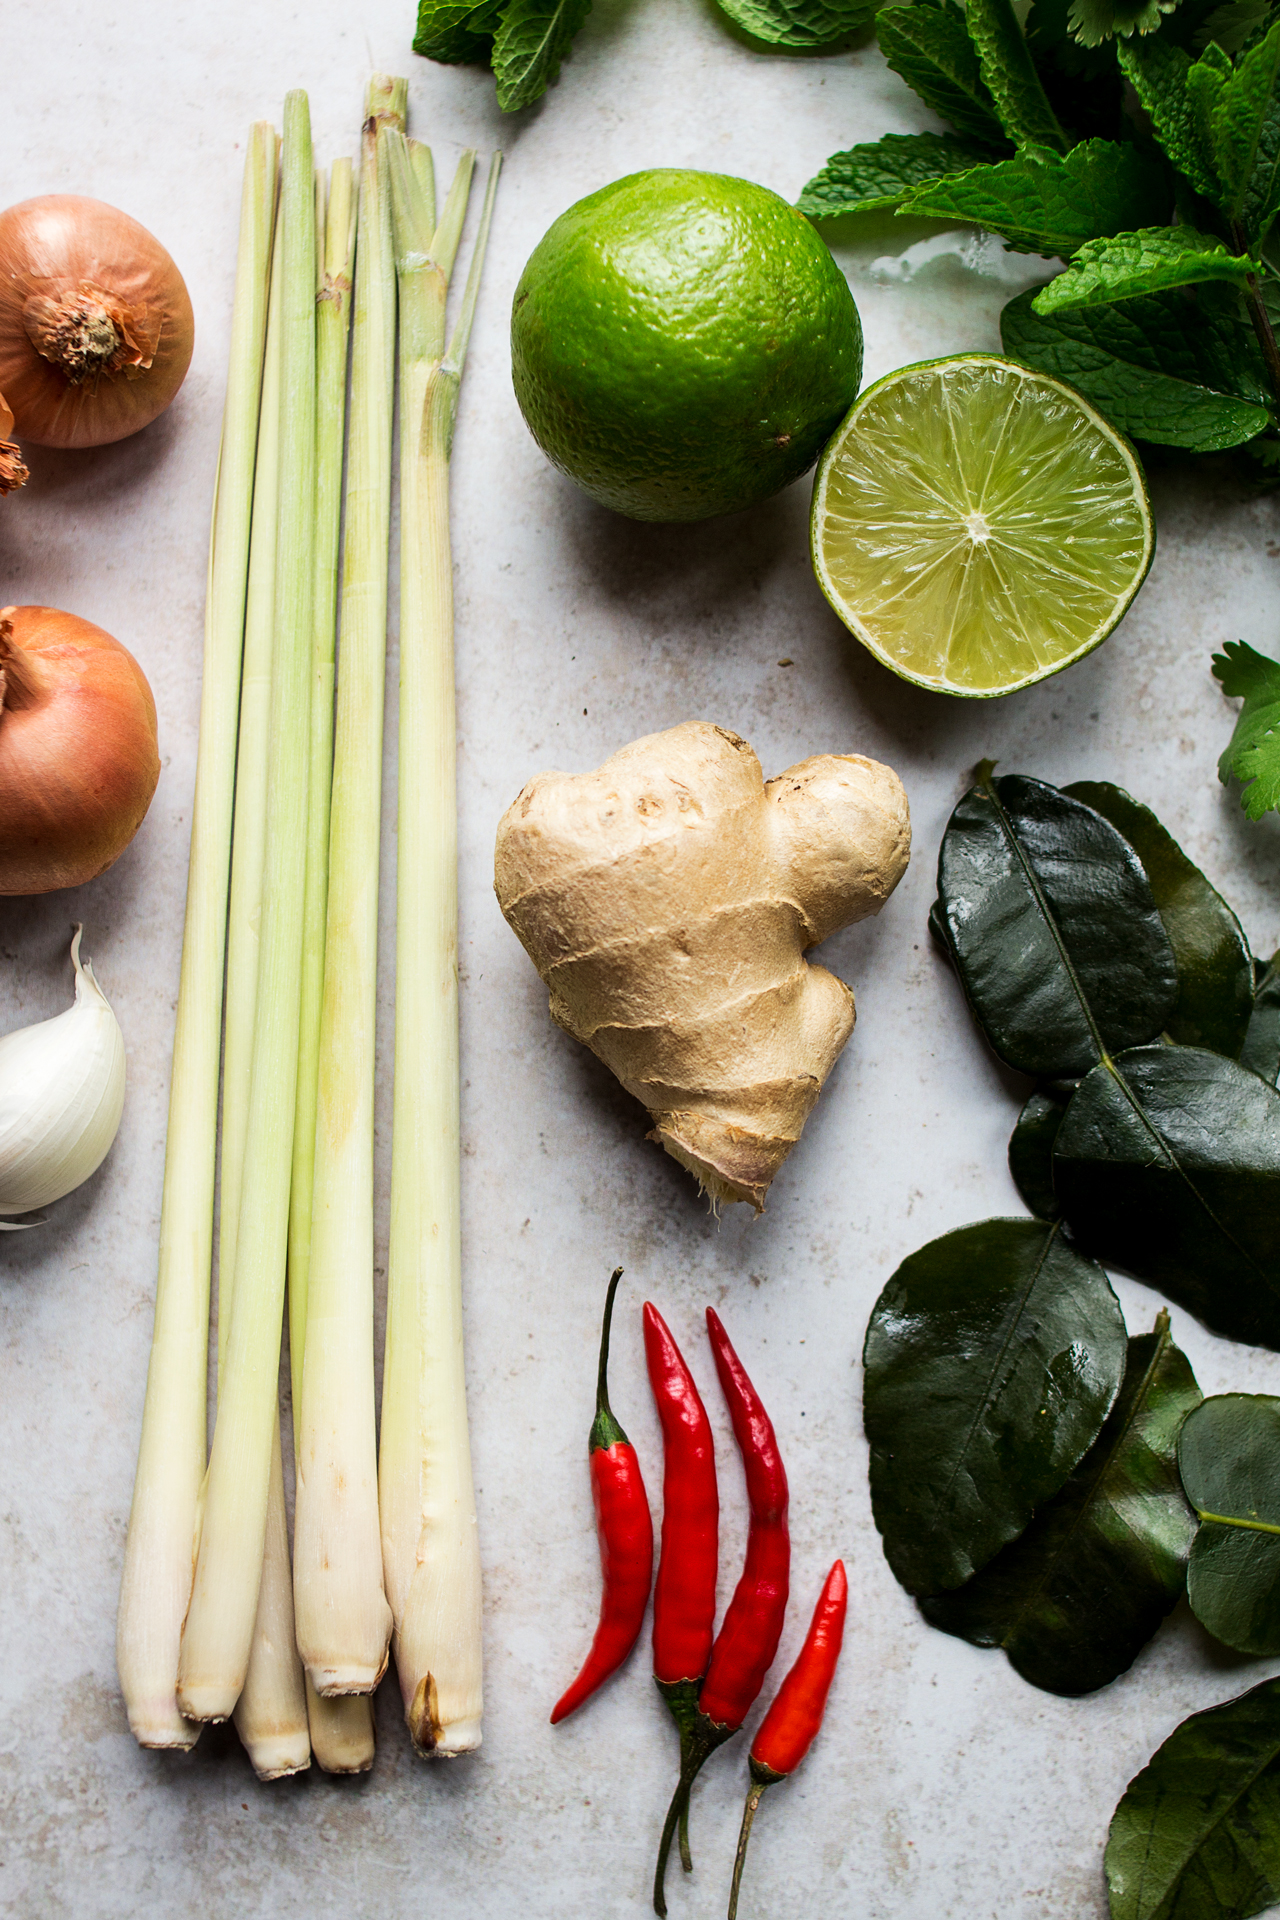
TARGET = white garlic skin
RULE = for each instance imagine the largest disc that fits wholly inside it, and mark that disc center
(61, 1097)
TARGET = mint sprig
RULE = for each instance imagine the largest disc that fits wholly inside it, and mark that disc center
(1142, 150)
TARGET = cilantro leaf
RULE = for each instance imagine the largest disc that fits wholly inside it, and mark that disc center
(1178, 372)
(930, 48)
(1253, 753)
(1094, 21)
(533, 39)
(1158, 71)
(799, 23)
(882, 173)
(1043, 202)
(457, 32)
(1239, 118)
(1010, 73)
(1149, 261)
(1084, 85)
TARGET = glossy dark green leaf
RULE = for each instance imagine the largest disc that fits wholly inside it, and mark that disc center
(1261, 1049)
(1229, 1456)
(1215, 965)
(1054, 930)
(1168, 1163)
(1075, 1600)
(992, 1358)
(1197, 1833)
(1031, 1153)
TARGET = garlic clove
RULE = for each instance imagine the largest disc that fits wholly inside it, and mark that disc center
(61, 1098)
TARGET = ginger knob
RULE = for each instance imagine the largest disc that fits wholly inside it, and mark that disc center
(667, 900)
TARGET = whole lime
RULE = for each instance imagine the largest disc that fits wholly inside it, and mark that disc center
(683, 344)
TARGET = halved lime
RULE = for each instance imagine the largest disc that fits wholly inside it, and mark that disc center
(977, 525)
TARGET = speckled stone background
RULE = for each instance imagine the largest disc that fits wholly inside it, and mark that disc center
(943, 1785)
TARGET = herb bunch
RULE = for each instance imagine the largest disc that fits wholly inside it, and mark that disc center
(525, 41)
(1138, 141)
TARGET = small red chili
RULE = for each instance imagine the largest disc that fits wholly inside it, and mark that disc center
(684, 1599)
(788, 1729)
(684, 1595)
(625, 1532)
(748, 1638)
(752, 1626)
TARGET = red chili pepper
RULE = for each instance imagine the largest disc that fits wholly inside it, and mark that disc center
(684, 1599)
(748, 1638)
(787, 1731)
(684, 1596)
(626, 1538)
(752, 1626)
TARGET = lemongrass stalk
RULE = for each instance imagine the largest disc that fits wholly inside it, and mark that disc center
(249, 836)
(342, 1615)
(430, 1541)
(271, 1714)
(159, 1550)
(335, 221)
(218, 1635)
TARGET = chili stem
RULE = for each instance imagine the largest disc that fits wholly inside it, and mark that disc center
(695, 1750)
(754, 1798)
(686, 1854)
(602, 1376)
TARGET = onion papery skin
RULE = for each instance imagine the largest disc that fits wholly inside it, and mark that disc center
(78, 755)
(53, 249)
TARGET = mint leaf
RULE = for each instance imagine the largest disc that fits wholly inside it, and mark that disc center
(1253, 753)
(1239, 121)
(1233, 24)
(799, 23)
(884, 172)
(1157, 72)
(1010, 73)
(1149, 261)
(930, 48)
(533, 39)
(1043, 202)
(1094, 21)
(1178, 371)
(457, 32)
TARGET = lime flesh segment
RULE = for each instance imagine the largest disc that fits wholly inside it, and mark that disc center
(979, 526)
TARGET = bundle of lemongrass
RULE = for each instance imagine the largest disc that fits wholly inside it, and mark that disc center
(283, 886)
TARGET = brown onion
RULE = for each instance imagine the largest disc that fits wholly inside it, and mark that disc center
(95, 323)
(78, 758)
(12, 472)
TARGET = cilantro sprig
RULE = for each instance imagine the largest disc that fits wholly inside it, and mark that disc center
(1138, 143)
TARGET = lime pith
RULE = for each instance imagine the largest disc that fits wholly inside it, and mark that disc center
(978, 525)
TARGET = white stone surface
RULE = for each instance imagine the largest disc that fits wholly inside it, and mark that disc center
(942, 1786)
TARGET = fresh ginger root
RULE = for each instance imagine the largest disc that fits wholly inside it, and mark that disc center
(667, 900)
